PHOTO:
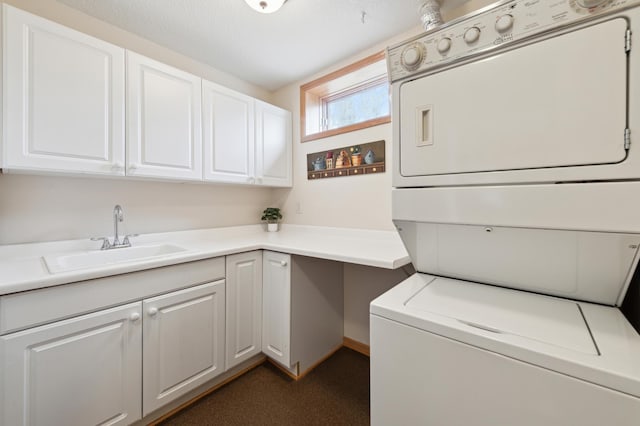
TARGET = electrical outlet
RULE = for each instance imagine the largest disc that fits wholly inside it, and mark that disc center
(298, 208)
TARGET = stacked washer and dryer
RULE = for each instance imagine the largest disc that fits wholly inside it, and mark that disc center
(517, 194)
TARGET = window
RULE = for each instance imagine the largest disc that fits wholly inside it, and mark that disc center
(349, 99)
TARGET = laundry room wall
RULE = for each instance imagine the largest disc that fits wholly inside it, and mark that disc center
(356, 201)
(45, 208)
(352, 202)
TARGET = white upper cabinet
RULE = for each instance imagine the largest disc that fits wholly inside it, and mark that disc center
(64, 112)
(273, 145)
(229, 147)
(63, 98)
(164, 138)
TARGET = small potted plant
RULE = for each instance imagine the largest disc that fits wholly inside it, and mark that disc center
(272, 215)
(356, 156)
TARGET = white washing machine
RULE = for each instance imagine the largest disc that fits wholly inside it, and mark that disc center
(516, 182)
(451, 352)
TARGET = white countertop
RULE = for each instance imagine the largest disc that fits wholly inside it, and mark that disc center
(22, 266)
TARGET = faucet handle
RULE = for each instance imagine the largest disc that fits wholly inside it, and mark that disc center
(126, 241)
(105, 242)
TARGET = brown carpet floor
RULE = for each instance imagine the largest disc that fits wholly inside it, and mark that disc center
(335, 393)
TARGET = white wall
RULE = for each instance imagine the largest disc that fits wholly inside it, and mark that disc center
(362, 284)
(39, 208)
(358, 201)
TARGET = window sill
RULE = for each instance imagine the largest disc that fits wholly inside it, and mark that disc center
(346, 129)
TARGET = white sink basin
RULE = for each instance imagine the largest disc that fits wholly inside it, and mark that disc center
(96, 258)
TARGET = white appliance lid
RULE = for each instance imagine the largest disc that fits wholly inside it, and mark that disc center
(535, 317)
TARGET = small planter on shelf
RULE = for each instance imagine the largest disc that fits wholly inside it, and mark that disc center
(356, 156)
(272, 215)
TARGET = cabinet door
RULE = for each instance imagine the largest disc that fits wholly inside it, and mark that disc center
(81, 371)
(164, 127)
(64, 98)
(276, 308)
(183, 342)
(273, 145)
(228, 135)
(244, 307)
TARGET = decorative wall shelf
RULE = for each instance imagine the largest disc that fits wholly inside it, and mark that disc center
(347, 171)
(354, 160)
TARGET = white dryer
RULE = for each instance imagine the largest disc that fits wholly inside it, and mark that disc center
(516, 182)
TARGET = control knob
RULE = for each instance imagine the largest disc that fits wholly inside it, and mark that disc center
(444, 45)
(504, 23)
(412, 56)
(588, 4)
(472, 35)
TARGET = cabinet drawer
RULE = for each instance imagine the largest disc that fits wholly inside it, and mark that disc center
(22, 310)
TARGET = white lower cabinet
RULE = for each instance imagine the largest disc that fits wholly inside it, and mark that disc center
(80, 371)
(183, 342)
(302, 311)
(276, 308)
(244, 307)
(113, 366)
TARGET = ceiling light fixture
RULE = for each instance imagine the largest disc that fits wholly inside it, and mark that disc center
(265, 6)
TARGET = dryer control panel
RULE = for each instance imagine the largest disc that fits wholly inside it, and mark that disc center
(494, 27)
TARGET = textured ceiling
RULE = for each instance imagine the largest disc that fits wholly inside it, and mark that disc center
(268, 50)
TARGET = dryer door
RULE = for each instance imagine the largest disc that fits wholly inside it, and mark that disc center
(539, 106)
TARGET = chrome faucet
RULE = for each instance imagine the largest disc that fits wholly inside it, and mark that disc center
(118, 216)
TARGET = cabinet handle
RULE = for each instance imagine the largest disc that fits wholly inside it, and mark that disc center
(134, 317)
(152, 312)
(133, 166)
(283, 263)
(117, 167)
